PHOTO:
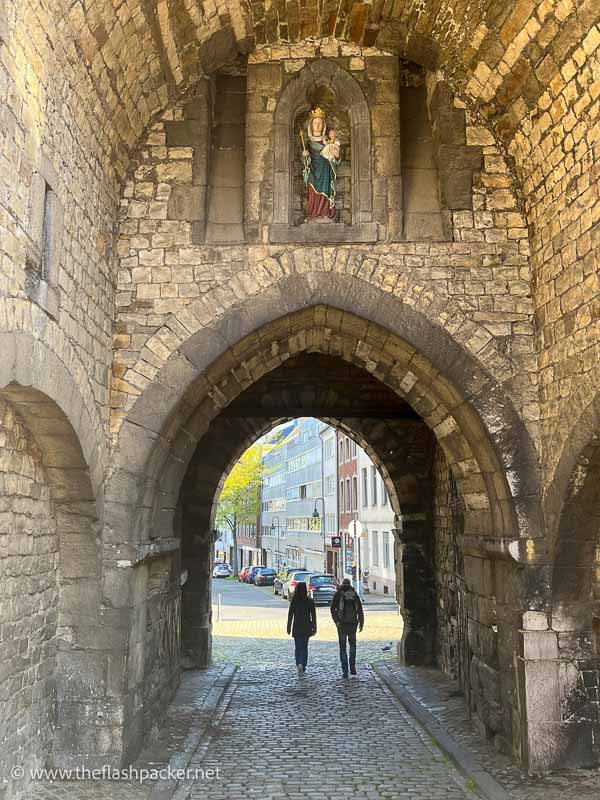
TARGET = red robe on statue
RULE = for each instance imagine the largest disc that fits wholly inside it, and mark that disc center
(318, 205)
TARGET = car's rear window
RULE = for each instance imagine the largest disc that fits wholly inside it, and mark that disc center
(322, 580)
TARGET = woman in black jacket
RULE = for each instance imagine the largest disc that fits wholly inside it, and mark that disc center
(302, 624)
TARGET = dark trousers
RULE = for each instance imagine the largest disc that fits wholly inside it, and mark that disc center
(301, 641)
(347, 633)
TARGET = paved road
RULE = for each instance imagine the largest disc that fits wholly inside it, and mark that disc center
(288, 738)
(251, 627)
(320, 735)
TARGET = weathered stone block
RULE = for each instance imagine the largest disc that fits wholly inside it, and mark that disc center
(187, 203)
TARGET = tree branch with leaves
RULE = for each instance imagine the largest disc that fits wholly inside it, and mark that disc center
(239, 501)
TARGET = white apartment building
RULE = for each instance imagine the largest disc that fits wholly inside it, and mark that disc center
(377, 516)
(330, 497)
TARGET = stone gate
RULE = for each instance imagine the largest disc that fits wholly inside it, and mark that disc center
(160, 288)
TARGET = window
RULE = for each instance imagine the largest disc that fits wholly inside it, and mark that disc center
(384, 492)
(353, 449)
(365, 488)
(303, 524)
(330, 523)
(276, 504)
(303, 491)
(375, 548)
(341, 497)
(303, 460)
(386, 549)
(347, 449)
(330, 484)
(348, 497)
(47, 224)
(354, 493)
(275, 479)
(328, 446)
(373, 486)
(341, 450)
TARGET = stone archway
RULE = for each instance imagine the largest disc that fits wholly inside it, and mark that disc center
(563, 643)
(310, 384)
(486, 444)
(52, 466)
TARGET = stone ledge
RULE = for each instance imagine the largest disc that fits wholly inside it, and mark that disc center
(130, 554)
(323, 233)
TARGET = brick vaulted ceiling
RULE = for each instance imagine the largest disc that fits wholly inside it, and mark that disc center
(499, 54)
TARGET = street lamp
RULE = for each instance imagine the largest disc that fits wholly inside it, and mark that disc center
(278, 529)
(316, 515)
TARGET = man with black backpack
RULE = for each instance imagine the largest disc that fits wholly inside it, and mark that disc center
(348, 615)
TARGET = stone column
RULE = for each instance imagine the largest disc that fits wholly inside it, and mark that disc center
(416, 589)
(196, 607)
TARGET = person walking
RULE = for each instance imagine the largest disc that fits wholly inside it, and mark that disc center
(302, 624)
(348, 615)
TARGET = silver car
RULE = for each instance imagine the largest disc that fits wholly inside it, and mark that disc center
(222, 571)
(290, 582)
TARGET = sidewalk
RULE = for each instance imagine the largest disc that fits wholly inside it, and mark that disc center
(373, 599)
(187, 722)
(437, 702)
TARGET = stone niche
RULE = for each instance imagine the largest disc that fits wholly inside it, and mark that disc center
(361, 99)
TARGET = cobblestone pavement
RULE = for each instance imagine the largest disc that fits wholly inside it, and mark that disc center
(188, 716)
(320, 735)
(441, 697)
(276, 735)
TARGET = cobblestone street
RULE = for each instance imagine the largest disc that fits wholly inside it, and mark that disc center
(319, 735)
(268, 733)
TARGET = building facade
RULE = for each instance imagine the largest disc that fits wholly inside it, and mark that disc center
(273, 503)
(377, 517)
(347, 484)
(249, 543)
(333, 556)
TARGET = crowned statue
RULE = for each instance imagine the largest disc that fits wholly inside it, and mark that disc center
(321, 156)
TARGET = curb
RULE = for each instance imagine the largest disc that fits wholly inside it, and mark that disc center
(487, 786)
(166, 789)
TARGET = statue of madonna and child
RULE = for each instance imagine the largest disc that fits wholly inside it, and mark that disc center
(321, 156)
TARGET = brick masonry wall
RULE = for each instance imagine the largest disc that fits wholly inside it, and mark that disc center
(83, 87)
(557, 146)
(449, 569)
(51, 118)
(29, 599)
(476, 618)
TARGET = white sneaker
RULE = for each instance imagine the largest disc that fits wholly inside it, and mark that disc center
(300, 669)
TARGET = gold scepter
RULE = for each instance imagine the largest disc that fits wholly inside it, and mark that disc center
(306, 170)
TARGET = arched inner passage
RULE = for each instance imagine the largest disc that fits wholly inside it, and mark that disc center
(430, 483)
(193, 421)
(574, 639)
(51, 576)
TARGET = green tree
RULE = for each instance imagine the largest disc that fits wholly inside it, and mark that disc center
(240, 496)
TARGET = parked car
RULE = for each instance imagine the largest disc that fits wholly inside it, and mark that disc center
(222, 571)
(243, 574)
(293, 579)
(251, 574)
(281, 578)
(321, 588)
(265, 576)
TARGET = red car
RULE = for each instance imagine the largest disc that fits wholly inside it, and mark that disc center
(243, 576)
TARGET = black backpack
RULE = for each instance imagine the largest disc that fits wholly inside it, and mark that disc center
(347, 607)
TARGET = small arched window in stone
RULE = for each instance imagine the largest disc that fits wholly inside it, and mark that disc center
(342, 105)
